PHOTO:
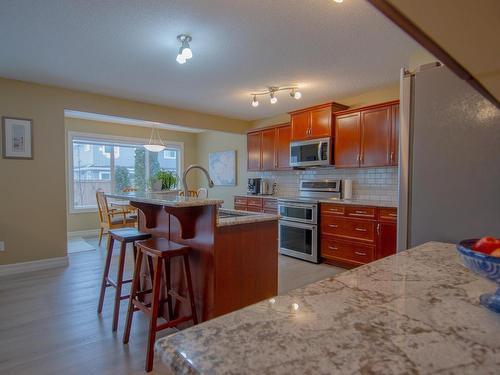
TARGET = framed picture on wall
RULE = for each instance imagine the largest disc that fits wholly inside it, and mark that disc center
(222, 167)
(17, 138)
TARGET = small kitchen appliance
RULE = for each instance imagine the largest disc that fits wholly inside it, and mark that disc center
(312, 153)
(254, 186)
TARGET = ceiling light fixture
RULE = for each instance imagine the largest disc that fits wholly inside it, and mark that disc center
(339, 1)
(155, 143)
(272, 91)
(185, 52)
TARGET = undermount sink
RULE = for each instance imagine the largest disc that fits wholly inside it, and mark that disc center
(226, 214)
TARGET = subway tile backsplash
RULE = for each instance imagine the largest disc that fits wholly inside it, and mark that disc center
(378, 184)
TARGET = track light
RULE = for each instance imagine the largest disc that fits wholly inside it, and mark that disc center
(295, 94)
(274, 99)
(185, 52)
(272, 90)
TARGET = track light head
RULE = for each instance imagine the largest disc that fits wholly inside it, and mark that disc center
(255, 102)
(185, 52)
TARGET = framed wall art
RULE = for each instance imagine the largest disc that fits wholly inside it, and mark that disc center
(17, 138)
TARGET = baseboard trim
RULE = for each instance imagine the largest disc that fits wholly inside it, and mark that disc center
(84, 233)
(37, 265)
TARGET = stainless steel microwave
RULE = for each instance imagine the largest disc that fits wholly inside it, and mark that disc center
(315, 152)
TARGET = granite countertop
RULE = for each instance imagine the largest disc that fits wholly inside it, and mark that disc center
(357, 202)
(361, 202)
(413, 313)
(246, 217)
(165, 199)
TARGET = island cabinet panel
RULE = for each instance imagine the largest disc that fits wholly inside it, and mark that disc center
(375, 137)
(347, 140)
(351, 235)
(394, 155)
(254, 145)
(283, 136)
(268, 149)
(367, 137)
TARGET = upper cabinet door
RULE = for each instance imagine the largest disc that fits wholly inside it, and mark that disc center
(301, 125)
(375, 137)
(321, 122)
(347, 140)
(283, 136)
(254, 142)
(267, 149)
(393, 157)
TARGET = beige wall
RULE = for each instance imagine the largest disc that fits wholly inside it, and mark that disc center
(88, 220)
(33, 193)
(211, 141)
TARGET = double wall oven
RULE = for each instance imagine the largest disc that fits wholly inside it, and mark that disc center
(298, 224)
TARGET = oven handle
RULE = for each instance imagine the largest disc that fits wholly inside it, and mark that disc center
(297, 205)
(295, 224)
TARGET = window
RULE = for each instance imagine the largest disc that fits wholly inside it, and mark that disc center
(112, 164)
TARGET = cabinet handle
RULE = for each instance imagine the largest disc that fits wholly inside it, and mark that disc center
(333, 210)
(393, 215)
(359, 158)
(333, 225)
(359, 253)
(392, 156)
(360, 229)
(378, 229)
(362, 158)
(360, 212)
(332, 248)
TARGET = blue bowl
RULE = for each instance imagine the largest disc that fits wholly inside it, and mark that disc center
(485, 266)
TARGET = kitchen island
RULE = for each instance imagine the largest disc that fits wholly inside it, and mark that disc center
(233, 256)
(416, 312)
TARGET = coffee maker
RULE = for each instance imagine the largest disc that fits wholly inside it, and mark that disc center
(254, 186)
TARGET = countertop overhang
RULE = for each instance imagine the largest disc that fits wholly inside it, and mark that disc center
(165, 199)
(415, 312)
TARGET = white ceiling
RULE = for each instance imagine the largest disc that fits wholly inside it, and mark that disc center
(127, 48)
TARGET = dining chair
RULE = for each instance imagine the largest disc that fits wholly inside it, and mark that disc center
(112, 218)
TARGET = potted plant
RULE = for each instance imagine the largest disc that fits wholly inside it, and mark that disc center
(165, 181)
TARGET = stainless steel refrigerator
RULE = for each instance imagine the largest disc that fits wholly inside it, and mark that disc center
(449, 175)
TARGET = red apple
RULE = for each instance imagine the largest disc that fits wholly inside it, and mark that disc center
(486, 245)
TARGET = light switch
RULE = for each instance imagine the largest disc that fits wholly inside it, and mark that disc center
(2, 246)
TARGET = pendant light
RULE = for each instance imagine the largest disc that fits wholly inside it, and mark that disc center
(155, 143)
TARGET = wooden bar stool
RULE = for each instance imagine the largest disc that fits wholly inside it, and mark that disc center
(161, 251)
(124, 236)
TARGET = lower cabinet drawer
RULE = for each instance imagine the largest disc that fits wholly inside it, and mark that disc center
(351, 229)
(255, 202)
(270, 204)
(388, 214)
(347, 252)
(240, 201)
(254, 209)
(242, 208)
(270, 211)
(361, 212)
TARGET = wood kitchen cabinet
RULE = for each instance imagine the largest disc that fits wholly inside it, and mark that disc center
(269, 149)
(347, 140)
(367, 137)
(352, 235)
(283, 136)
(394, 154)
(254, 144)
(375, 137)
(386, 232)
(256, 204)
(268, 152)
(314, 122)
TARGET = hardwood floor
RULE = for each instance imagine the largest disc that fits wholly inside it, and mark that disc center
(49, 323)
